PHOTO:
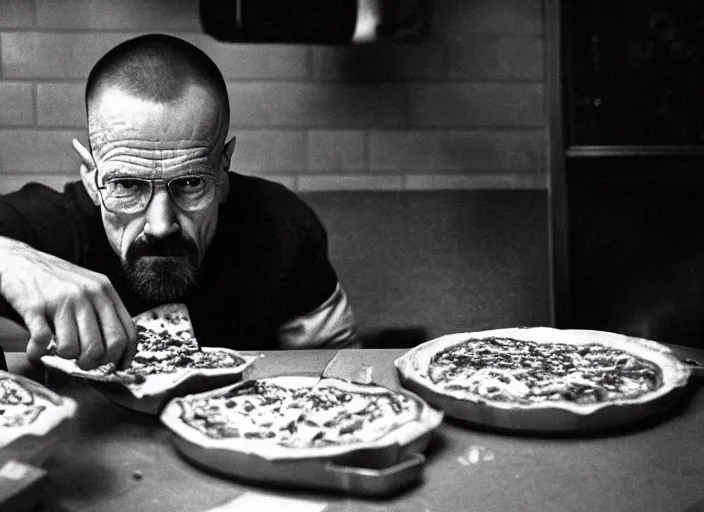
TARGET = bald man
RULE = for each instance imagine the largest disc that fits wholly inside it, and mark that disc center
(159, 217)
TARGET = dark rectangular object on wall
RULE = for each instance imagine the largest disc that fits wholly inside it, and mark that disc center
(316, 21)
(636, 72)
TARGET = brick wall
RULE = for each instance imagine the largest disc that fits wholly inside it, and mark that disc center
(465, 110)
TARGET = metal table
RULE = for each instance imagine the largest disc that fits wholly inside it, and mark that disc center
(114, 459)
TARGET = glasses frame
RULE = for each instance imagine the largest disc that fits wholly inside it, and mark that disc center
(215, 183)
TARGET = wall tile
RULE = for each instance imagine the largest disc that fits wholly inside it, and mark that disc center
(264, 151)
(523, 17)
(493, 181)
(495, 58)
(125, 14)
(16, 104)
(515, 150)
(16, 13)
(378, 62)
(336, 150)
(469, 102)
(72, 55)
(405, 151)
(343, 182)
(61, 105)
(316, 105)
(491, 104)
(255, 60)
(477, 151)
(40, 152)
(52, 55)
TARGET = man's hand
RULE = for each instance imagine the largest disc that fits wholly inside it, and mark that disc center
(58, 300)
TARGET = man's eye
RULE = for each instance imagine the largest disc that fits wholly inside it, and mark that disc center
(125, 186)
(193, 182)
(188, 183)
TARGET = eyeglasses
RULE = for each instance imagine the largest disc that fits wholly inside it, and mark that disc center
(190, 193)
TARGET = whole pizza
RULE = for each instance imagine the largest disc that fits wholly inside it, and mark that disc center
(167, 361)
(298, 417)
(543, 379)
(31, 418)
(306, 431)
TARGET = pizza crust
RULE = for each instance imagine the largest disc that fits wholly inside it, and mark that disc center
(552, 415)
(427, 420)
(151, 395)
(32, 442)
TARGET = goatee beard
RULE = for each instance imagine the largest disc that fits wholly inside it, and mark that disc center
(168, 276)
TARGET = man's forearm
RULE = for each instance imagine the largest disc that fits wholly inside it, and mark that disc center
(13, 334)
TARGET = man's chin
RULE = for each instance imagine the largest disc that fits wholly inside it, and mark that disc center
(160, 279)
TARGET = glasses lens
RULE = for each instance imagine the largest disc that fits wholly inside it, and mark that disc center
(127, 195)
(192, 192)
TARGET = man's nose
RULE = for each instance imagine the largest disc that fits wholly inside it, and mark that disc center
(161, 214)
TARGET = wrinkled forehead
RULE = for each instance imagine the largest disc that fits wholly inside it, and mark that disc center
(120, 124)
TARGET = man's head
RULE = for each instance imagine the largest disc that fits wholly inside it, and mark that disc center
(158, 116)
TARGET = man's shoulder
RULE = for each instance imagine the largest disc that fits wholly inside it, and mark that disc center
(34, 195)
(51, 221)
(268, 200)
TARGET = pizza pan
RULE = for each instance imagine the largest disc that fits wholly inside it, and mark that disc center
(151, 396)
(33, 443)
(367, 469)
(385, 471)
(550, 417)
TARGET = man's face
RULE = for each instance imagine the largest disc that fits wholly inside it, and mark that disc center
(162, 246)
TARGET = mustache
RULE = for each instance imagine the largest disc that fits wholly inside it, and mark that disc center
(175, 244)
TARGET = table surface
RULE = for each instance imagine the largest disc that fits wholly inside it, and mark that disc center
(658, 466)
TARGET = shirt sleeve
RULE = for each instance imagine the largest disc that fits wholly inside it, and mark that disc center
(330, 325)
(44, 219)
(318, 314)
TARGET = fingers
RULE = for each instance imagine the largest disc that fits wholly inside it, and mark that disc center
(92, 329)
(66, 330)
(130, 346)
(40, 336)
(123, 315)
(92, 349)
(114, 334)
(78, 308)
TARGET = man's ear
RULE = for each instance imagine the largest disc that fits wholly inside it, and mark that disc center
(227, 153)
(88, 170)
(225, 163)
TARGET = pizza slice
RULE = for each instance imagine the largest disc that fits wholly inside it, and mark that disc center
(166, 360)
(31, 418)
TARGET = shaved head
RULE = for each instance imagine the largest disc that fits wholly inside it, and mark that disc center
(157, 68)
(158, 111)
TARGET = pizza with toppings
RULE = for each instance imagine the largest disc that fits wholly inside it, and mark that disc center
(18, 405)
(166, 358)
(543, 378)
(524, 372)
(299, 416)
(29, 416)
